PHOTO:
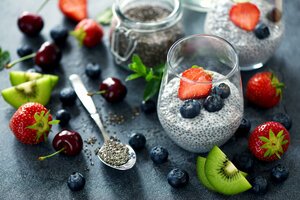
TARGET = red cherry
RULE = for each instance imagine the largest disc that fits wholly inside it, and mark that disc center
(70, 141)
(113, 90)
(30, 24)
(48, 56)
(66, 142)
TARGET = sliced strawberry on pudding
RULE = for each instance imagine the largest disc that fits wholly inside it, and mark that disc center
(245, 15)
(195, 83)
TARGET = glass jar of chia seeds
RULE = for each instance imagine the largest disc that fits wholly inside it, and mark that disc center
(146, 28)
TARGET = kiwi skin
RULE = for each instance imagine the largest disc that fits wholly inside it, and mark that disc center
(223, 175)
(32, 91)
(201, 173)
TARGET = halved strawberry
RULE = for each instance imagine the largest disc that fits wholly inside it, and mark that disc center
(74, 9)
(245, 15)
(196, 83)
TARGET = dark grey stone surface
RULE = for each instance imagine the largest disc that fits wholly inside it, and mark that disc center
(22, 176)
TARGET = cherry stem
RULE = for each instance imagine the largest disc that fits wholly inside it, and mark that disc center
(10, 65)
(96, 93)
(53, 154)
(42, 6)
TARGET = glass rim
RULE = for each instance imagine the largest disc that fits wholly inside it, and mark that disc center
(173, 17)
(226, 77)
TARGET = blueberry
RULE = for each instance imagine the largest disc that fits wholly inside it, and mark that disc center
(261, 31)
(178, 178)
(213, 103)
(63, 116)
(244, 162)
(93, 70)
(259, 185)
(67, 96)
(159, 155)
(282, 118)
(279, 173)
(244, 127)
(190, 108)
(76, 181)
(223, 90)
(137, 141)
(148, 106)
(59, 34)
(24, 51)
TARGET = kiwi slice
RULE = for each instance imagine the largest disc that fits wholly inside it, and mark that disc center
(19, 77)
(223, 175)
(201, 173)
(38, 90)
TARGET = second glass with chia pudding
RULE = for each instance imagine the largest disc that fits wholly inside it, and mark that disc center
(146, 28)
(255, 28)
(200, 101)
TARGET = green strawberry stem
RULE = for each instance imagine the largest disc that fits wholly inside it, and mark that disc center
(79, 35)
(42, 6)
(96, 93)
(273, 144)
(51, 155)
(277, 85)
(11, 64)
(42, 125)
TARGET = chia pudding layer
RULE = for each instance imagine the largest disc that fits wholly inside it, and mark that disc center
(250, 49)
(201, 133)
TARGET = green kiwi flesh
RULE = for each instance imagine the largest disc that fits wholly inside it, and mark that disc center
(19, 77)
(223, 175)
(201, 173)
(38, 90)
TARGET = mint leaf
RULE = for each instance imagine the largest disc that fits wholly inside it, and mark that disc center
(149, 76)
(141, 68)
(105, 17)
(4, 58)
(133, 76)
(151, 89)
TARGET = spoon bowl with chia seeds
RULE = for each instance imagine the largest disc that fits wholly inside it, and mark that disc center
(113, 153)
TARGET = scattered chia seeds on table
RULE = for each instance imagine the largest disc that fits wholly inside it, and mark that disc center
(152, 46)
(114, 152)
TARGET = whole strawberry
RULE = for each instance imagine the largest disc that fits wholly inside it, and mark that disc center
(264, 89)
(31, 123)
(269, 141)
(88, 32)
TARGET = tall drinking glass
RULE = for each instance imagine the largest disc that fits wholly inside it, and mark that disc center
(219, 59)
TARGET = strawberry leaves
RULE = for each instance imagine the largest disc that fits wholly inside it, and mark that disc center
(273, 144)
(42, 124)
(4, 58)
(152, 76)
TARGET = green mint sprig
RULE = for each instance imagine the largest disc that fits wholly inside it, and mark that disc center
(105, 16)
(152, 76)
(4, 58)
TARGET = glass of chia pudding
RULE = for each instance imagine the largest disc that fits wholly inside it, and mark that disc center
(200, 102)
(146, 28)
(254, 28)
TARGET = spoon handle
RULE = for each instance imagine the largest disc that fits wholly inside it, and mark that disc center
(87, 102)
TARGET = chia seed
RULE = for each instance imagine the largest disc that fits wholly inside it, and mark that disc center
(251, 50)
(114, 152)
(152, 46)
(201, 133)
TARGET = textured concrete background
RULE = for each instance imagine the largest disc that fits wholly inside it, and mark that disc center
(22, 176)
